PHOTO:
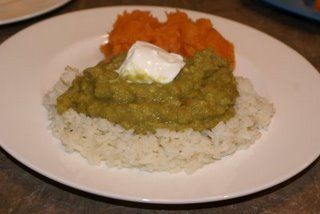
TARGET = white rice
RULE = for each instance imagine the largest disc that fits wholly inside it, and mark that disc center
(98, 140)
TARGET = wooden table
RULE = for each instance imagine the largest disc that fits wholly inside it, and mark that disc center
(25, 191)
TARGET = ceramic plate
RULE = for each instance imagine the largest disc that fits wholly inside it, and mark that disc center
(17, 10)
(32, 60)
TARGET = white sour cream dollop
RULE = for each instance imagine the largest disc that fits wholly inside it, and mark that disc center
(147, 63)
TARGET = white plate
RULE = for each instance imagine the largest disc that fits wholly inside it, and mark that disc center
(18, 10)
(32, 60)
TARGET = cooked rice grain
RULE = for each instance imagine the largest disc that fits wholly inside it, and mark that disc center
(98, 140)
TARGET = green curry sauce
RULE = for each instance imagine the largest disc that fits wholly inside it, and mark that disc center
(202, 95)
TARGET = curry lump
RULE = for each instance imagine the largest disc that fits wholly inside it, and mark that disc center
(202, 95)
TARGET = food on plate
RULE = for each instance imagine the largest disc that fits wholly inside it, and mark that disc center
(178, 34)
(155, 110)
(99, 140)
(147, 63)
(202, 95)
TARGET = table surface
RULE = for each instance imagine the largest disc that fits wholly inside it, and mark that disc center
(25, 191)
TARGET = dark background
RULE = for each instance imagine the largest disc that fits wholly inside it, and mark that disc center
(25, 191)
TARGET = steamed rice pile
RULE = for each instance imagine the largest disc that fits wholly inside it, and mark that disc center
(98, 140)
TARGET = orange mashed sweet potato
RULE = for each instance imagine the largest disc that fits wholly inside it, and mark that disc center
(179, 34)
(317, 5)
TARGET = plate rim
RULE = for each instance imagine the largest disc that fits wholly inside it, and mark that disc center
(35, 14)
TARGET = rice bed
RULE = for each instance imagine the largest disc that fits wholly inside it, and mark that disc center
(98, 140)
